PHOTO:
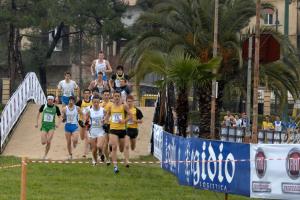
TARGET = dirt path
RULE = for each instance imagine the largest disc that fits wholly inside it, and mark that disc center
(26, 139)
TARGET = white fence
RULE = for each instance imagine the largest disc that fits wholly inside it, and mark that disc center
(30, 89)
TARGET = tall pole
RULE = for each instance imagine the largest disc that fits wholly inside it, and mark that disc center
(80, 61)
(256, 72)
(249, 84)
(213, 96)
(23, 179)
(286, 17)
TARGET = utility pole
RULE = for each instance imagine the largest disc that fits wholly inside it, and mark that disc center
(80, 61)
(214, 84)
(256, 72)
(286, 17)
(249, 83)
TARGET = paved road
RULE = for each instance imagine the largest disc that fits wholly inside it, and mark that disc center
(25, 140)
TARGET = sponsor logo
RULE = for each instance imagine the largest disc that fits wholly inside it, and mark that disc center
(258, 186)
(291, 188)
(293, 163)
(260, 163)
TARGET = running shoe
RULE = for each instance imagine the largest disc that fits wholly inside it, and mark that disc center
(70, 157)
(116, 170)
(94, 163)
(102, 158)
(45, 157)
(107, 162)
(127, 165)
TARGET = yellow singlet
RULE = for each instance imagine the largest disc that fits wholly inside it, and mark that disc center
(84, 107)
(117, 113)
(131, 123)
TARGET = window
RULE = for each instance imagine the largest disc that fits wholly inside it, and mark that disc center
(268, 14)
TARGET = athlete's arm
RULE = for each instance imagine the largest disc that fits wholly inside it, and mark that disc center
(139, 116)
(38, 116)
(93, 67)
(126, 108)
(108, 69)
(107, 115)
(57, 92)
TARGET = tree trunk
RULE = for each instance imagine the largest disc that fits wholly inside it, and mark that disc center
(204, 98)
(182, 111)
(170, 101)
(219, 105)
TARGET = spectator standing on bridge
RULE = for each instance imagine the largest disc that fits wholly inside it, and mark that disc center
(228, 119)
(67, 87)
(48, 125)
(132, 128)
(267, 125)
(70, 113)
(243, 121)
(100, 65)
(278, 124)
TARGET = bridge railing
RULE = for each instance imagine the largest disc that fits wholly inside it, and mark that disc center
(237, 134)
(29, 89)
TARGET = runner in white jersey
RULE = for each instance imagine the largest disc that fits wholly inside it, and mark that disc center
(70, 113)
(100, 65)
(67, 87)
(96, 133)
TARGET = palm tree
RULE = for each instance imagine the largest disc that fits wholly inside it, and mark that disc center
(180, 69)
(188, 24)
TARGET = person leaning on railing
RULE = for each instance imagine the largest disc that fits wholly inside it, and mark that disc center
(267, 125)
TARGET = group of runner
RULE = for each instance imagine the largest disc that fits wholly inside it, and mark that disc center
(105, 118)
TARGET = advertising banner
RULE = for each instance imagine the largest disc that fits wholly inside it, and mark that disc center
(158, 141)
(207, 164)
(275, 171)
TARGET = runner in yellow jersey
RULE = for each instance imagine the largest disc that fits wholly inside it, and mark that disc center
(116, 116)
(106, 104)
(132, 128)
(84, 105)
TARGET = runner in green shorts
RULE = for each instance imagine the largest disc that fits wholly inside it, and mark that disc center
(48, 125)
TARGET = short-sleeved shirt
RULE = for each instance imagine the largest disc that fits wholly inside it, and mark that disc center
(137, 115)
(57, 109)
(67, 88)
(116, 78)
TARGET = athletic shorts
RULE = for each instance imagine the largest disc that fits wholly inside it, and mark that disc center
(65, 100)
(106, 128)
(96, 132)
(132, 132)
(71, 128)
(120, 133)
(47, 127)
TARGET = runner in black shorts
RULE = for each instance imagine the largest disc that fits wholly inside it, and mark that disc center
(116, 115)
(132, 128)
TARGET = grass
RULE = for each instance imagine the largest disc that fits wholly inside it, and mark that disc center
(83, 181)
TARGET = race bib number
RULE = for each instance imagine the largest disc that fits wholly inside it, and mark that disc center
(96, 123)
(130, 122)
(67, 93)
(116, 117)
(117, 82)
(48, 117)
(70, 118)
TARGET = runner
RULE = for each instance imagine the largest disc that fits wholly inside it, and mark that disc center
(124, 90)
(67, 87)
(70, 113)
(96, 116)
(99, 85)
(48, 125)
(84, 105)
(116, 114)
(132, 128)
(106, 104)
(114, 82)
(100, 65)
